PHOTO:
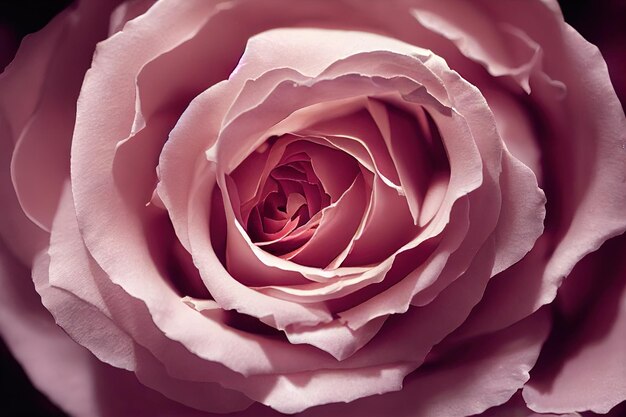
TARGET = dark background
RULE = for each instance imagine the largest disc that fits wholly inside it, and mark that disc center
(602, 22)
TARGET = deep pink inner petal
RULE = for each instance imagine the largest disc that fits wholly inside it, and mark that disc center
(290, 187)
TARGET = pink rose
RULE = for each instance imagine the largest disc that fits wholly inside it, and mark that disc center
(325, 208)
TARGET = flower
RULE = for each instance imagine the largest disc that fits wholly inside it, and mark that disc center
(263, 208)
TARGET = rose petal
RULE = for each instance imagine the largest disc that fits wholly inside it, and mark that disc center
(40, 161)
(517, 407)
(335, 338)
(411, 158)
(365, 142)
(24, 238)
(337, 227)
(126, 12)
(500, 48)
(516, 127)
(593, 348)
(483, 374)
(588, 204)
(25, 98)
(90, 387)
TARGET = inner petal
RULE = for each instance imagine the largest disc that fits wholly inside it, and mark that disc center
(289, 187)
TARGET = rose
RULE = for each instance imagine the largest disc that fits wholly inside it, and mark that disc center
(436, 240)
(98, 345)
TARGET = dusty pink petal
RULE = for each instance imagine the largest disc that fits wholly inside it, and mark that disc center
(586, 181)
(397, 298)
(516, 232)
(47, 353)
(257, 233)
(257, 63)
(266, 170)
(126, 12)
(523, 210)
(410, 157)
(520, 222)
(133, 166)
(87, 283)
(593, 348)
(113, 346)
(481, 375)
(183, 148)
(387, 221)
(335, 337)
(40, 161)
(330, 288)
(227, 141)
(388, 347)
(357, 134)
(23, 238)
(113, 81)
(516, 127)
(488, 202)
(421, 324)
(309, 62)
(337, 227)
(512, 293)
(588, 199)
(90, 388)
(387, 226)
(335, 386)
(418, 329)
(517, 407)
(160, 101)
(440, 223)
(251, 180)
(484, 203)
(335, 169)
(27, 89)
(206, 64)
(28, 68)
(288, 382)
(225, 23)
(502, 49)
(158, 107)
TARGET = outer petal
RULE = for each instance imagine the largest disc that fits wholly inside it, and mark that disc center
(20, 91)
(90, 388)
(517, 407)
(104, 328)
(591, 343)
(585, 165)
(41, 159)
(478, 376)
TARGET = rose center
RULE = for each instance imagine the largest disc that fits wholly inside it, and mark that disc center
(282, 197)
(289, 209)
